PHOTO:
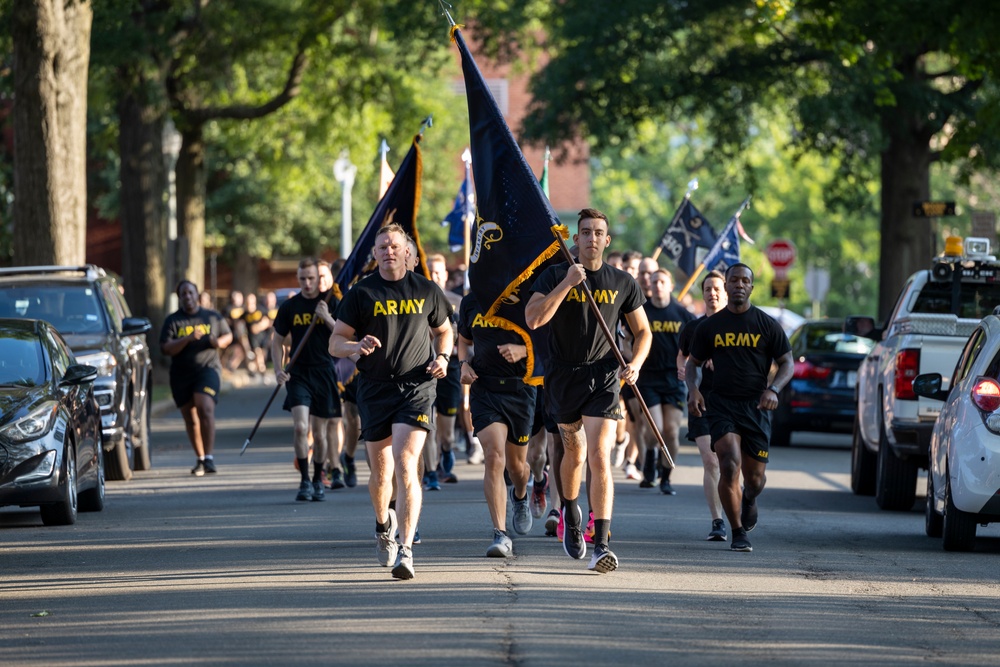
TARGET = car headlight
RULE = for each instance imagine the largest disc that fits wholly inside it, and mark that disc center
(34, 425)
(104, 362)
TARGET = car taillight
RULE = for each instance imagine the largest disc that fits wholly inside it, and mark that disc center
(986, 394)
(804, 370)
(907, 368)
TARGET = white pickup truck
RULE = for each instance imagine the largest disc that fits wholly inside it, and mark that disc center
(933, 317)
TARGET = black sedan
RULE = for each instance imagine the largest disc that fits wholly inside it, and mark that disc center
(820, 396)
(50, 425)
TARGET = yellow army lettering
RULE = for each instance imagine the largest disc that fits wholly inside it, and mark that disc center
(423, 419)
(303, 319)
(737, 340)
(762, 454)
(600, 295)
(208, 390)
(523, 438)
(664, 327)
(205, 329)
(480, 321)
(401, 307)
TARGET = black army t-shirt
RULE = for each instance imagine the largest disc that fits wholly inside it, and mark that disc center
(665, 323)
(294, 317)
(686, 338)
(197, 354)
(485, 336)
(741, 347)
(575, 336)
(398, 313)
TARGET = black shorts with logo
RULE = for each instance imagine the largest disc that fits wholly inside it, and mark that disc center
(660, 389)
(542, 418)
(588, 390)
(746, 420)
(699, 426)
(509, 401)
(314, 386)
(449, 390)
(382, 404)
(183, 386)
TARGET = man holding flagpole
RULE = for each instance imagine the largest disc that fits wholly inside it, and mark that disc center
(582, 375)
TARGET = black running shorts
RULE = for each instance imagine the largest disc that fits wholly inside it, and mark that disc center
(511, 404)
(662, 390)
(542, 418)
(314, 387)
(184, 386)
(382, 404)
(449, 390)
(590, 390)
(743, 418)
(699, 426)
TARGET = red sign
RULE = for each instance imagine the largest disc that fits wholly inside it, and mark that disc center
(781, 253)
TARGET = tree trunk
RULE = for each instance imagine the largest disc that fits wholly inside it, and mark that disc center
(245, 274)
(51, 60)
(191, 204)
(907, 243)
(143, 214)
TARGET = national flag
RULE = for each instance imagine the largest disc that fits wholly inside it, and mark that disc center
(544, 180)
(726, 250)
(400, 205)
(688, 231)
(385, 174)
(515, 223)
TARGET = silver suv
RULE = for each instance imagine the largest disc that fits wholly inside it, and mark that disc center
(85, 304)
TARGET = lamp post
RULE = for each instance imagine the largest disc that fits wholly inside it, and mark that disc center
(344, 171)
(171, 151)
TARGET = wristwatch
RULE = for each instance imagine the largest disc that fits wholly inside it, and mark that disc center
(447, 357)
(774, 389)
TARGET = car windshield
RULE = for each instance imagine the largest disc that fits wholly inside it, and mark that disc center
(21, 361)
(975, 300)
(829, 338)
(71, 309)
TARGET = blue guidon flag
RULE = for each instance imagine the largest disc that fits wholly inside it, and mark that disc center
(400, 205)
(515, 226)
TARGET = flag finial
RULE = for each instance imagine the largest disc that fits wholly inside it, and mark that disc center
(445, 6)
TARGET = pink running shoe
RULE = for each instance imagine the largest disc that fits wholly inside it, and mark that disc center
(588, 533)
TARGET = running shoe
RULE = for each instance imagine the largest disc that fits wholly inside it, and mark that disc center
(573, 543)
(210, 468)
(631, 472)
(199, 469)
(385, 545)
(539, 501)
(502, 547)
(350, 473)
(432, 483)
(646, 484)
(446, 466)
(603, 560)
(403, 569)
(305, 491)
(522, 514)
(718, 533)
(318, 494)
(552, 522)
(476, 453)
(335, 480)
(740, 541)
(588, 533)
(447, 477)
(416, 536)
(748, 516)
(665, 487)
(561, 528)
(618, 454)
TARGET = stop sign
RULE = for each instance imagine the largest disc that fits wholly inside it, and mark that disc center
(781, 253)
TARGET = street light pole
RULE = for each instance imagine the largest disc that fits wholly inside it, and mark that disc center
(344, 171)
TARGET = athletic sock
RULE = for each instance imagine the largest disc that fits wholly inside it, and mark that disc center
(208, 457)
(602, 529)
(571, 512)
(381, 527)
(317, 472)
(304, 469)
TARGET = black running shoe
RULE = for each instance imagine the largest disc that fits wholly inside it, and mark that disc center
(646, 484)
(210, 468)
(335, 481)
(740, 541)
(319, 494)
(603, 560)
(665, 487)
(748, 517)
(551, 523)
(350, 472)
(718, 533)
(305, 491)
(573, 542)
(199, 469)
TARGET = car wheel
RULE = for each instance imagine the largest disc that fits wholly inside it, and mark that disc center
(959, 526)
(781, 428)
(63, 513)
(92, 500)
(863, 465)
(117, 464)
(933, 522)
(896, 484)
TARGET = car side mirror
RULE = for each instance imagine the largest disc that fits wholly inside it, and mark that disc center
(135, 326)
(858, 325)
(928, 385)
(78, 374)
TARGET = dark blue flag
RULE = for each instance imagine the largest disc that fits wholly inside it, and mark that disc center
(400, 205)
(726, 250)
(460, 213)
(689, 231)
(515, 223)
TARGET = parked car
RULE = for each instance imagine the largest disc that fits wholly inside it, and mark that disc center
(821, 393)
(85, 304)
(963, 480)
(50, 425)
(789, 320)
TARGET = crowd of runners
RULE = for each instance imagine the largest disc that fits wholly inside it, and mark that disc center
(413, 373)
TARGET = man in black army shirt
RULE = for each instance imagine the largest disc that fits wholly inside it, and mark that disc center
(582, 377)
(742, 341)
(386, 319)
(311, 383)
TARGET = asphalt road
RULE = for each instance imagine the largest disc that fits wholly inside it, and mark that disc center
(230, 570)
